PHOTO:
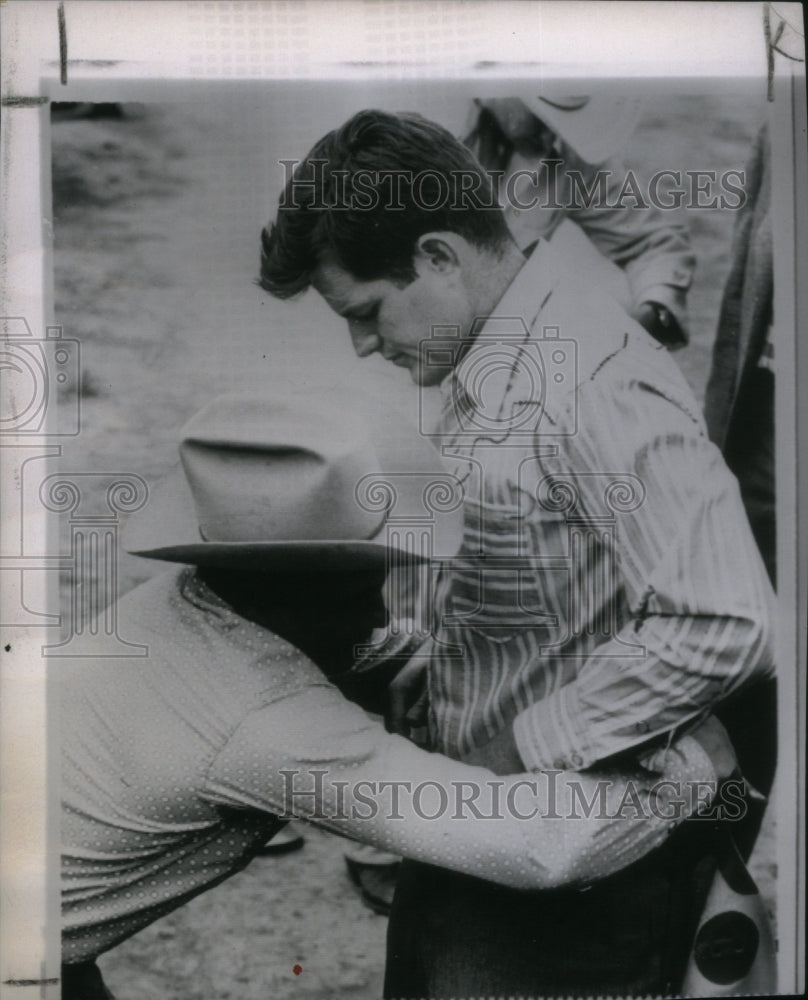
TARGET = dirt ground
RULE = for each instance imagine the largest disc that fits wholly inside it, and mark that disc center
(156, 221)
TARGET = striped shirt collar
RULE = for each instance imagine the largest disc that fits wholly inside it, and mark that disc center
(523, 300)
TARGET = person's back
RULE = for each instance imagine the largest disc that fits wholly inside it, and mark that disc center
(140, 829)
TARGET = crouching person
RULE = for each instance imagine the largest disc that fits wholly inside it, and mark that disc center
(178, 766)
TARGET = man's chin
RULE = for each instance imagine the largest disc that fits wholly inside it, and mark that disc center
(425, 376)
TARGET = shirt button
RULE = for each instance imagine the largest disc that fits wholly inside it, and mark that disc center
(643, 727)
(577, 759)
(560, 763)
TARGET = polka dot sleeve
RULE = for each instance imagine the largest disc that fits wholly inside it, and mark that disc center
(316, 756)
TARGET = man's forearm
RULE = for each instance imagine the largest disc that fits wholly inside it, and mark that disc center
(529, 831)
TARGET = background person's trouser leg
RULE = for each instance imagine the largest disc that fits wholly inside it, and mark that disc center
(628, 935)
(750, 454)
(750, 717)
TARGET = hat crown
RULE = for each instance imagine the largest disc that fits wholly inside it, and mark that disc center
(327, 479)
(263, 469)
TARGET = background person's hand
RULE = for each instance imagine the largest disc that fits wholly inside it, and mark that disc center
(660, 322)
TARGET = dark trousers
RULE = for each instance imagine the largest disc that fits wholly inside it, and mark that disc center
(749, 452)
(83, 981)
(750, 717)
(452, 936)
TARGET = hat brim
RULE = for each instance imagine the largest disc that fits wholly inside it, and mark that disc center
(595, 130)
(287, 557)
(166, 529)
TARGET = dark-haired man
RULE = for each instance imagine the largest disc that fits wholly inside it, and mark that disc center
(608, 591)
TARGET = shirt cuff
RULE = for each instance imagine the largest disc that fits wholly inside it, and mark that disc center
(549, 734)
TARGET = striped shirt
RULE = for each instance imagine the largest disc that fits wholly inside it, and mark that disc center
(608, 589)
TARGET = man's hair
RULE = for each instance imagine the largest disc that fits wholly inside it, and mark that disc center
(367, 191)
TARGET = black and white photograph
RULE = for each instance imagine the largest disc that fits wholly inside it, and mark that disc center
(403, 575)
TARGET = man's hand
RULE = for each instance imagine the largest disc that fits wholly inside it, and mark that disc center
(498, 755)
(716, 743)
(408, 698)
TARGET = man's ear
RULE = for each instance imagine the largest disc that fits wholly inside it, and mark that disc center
(440, 252)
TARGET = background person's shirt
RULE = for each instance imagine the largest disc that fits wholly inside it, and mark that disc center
(608, 588)
(612, 207)
(176, 765)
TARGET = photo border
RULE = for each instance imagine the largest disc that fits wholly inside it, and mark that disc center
(62, 51)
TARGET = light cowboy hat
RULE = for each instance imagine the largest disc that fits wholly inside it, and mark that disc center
(306, 484)
(594, 125)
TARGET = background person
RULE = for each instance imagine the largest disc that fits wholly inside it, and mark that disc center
(739, 411)
(554, 134)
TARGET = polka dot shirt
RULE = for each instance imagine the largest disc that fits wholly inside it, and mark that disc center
(176, 767)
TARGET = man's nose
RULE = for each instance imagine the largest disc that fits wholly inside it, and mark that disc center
(365, 342)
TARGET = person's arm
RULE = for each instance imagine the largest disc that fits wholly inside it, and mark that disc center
(701, 601)
(616, 212)
(653, 250)
(316, 756)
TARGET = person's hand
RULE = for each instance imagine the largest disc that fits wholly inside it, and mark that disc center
(660, 322)
(715, 741)
(408, 698)
(499, 755)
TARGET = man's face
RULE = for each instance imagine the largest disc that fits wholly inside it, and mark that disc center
(396, 320)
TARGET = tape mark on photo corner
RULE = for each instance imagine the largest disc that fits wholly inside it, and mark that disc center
(62, 21)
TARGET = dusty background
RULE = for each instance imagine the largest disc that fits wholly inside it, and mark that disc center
(156, 218)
